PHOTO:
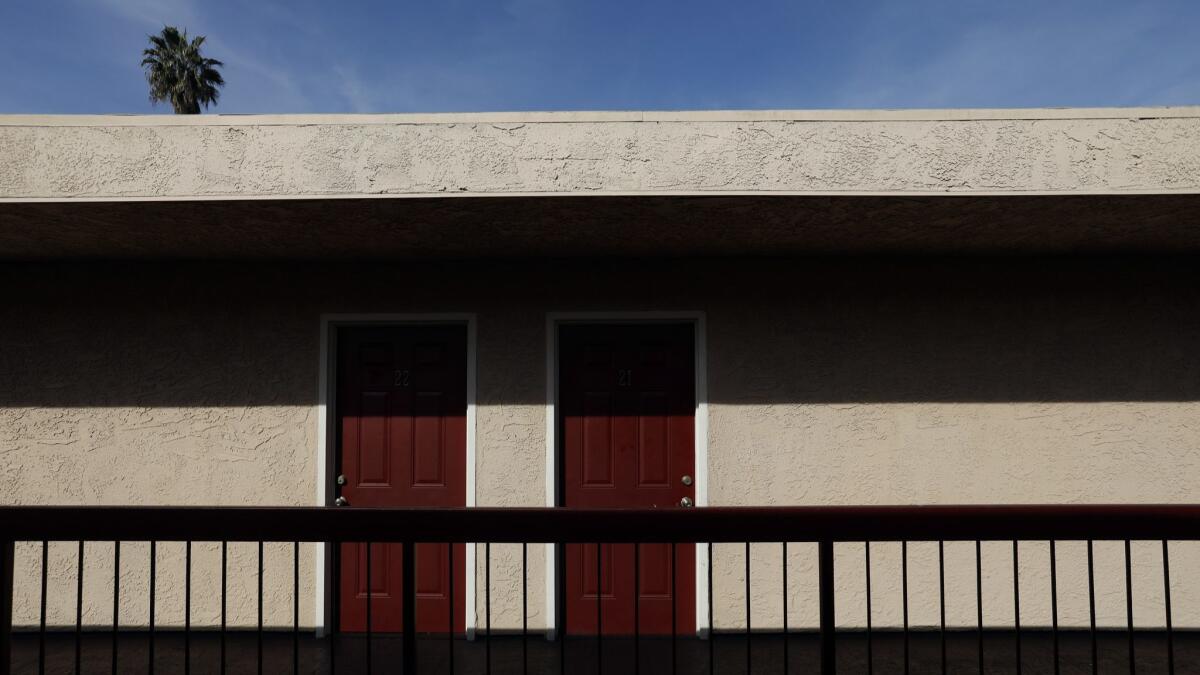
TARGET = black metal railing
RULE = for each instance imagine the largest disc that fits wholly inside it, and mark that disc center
(822, 527)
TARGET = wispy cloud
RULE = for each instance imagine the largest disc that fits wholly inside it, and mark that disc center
(353, 89)
(384, 56)
(1039, 58)
(419, 87)
(154, 13)
(255, 83)
(261, 84)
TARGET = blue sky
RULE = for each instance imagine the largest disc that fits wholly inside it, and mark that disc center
(82, 56)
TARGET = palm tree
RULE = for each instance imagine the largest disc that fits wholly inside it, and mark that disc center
(179, 73)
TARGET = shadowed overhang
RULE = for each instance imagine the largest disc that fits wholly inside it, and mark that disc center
(473, 227)
(568, 184)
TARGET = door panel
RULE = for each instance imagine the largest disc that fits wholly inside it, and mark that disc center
(402, 406)
(627, 399)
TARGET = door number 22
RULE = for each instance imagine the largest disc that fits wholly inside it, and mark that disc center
(401, 378)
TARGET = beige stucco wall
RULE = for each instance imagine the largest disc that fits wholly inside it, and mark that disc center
(921, 151)
(829, 382)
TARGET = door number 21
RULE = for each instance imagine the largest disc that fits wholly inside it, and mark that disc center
(624, 377)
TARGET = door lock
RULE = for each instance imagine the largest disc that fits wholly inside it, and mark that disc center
(341, 501)
(686, 480)
(341, 479)
(686, 502)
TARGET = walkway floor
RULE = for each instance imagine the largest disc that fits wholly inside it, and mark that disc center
(544, 658)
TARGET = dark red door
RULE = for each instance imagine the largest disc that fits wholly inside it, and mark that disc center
(628, 401)
(402, 434)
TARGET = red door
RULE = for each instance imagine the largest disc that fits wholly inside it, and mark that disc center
(628, 401)
(402, 433)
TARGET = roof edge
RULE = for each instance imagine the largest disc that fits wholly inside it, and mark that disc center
(913, 194)
(576, 117)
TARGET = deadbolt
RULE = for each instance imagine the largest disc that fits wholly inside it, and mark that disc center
(686, 480)
(341, 479)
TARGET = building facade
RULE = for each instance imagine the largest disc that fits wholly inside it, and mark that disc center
(604, 309)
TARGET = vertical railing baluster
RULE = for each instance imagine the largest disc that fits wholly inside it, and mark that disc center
(674, 611)
(1129, 607)
(560, 566)
(296, 608)
(42, 619)
(187, 608)
(599, 617)
(6, 600)
(153, 579)
(116, 602)
(785, 609)
(453, 609)
(942, 600)
(79, 611)
(827, 610)
(749, 669)
(1092, 606)
(1166, 558)
(870, 634)
(1017, 601)
(409, 610)
(1054, 603)
(259, 636)
(904, 597)
(637, 609)
(979, 600)
(338, 549)
(712, 626)
(370, 594)
(487, 606)
(224, 599)
(525, 608)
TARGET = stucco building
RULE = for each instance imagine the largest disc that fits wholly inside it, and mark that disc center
(603, 309)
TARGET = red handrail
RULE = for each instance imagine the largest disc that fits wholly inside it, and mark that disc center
(558, 525)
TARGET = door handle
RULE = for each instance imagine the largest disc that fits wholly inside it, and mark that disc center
(686, 502)
(341, 501)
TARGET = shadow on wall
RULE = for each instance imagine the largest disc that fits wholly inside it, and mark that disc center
(850, 329)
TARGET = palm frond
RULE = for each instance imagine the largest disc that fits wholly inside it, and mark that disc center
(178, 72)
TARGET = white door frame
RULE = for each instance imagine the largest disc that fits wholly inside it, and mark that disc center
(697, 319)
(326, 443)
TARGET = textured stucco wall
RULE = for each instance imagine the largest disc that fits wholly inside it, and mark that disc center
(830, 382)
(1110, 150)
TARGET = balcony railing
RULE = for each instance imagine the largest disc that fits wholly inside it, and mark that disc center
(840, 539)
